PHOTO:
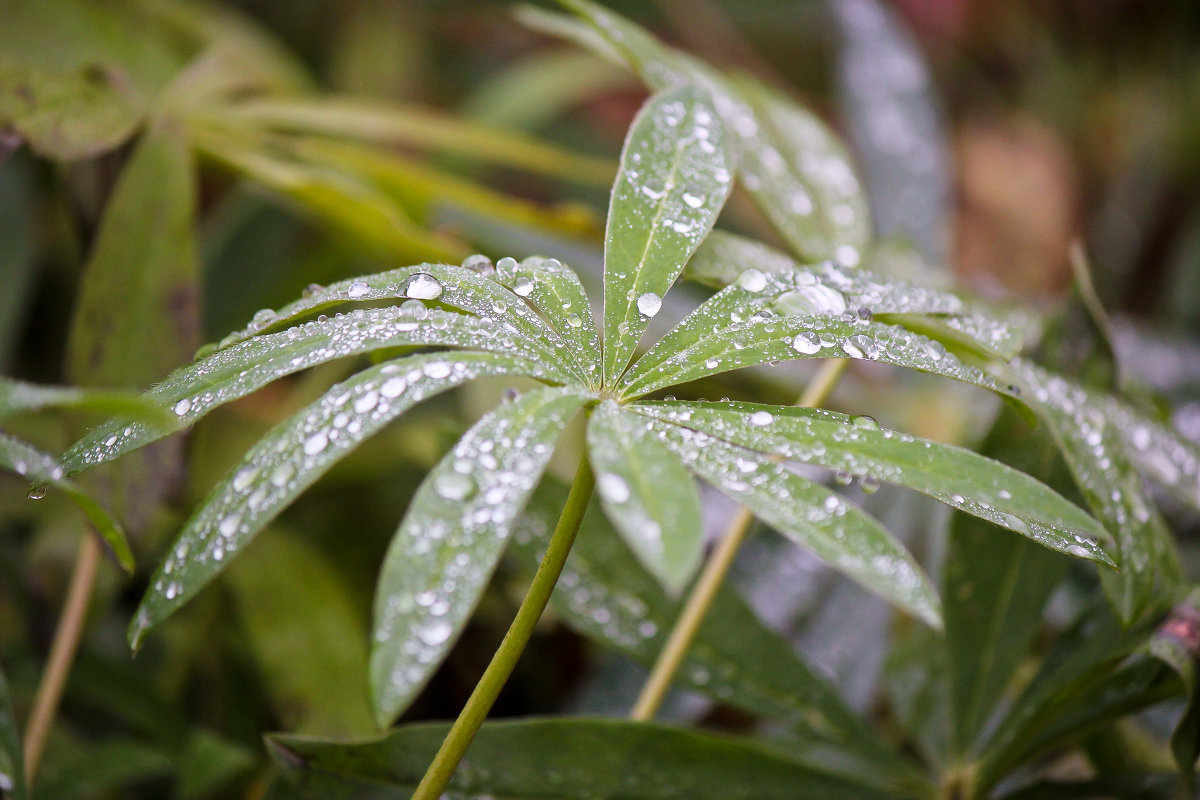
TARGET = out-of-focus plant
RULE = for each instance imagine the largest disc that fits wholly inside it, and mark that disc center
(966, 723)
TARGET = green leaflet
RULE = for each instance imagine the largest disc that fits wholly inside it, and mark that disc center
(452, 536)
(41, 468)
(674, 177)
(543, 758)
(859, 447)
(607, 594)
(290, 458)
(226, 375)
(648, 494)
(766, 339)
(795, 169)
(832, 529)
(12, 763)
(1092, 448)
(555, 292)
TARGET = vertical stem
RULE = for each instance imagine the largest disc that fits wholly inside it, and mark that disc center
(705, 591)
(62, 653)
(461, 734)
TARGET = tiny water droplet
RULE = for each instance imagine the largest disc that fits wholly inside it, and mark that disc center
(312, 289)
(842, 477)
(422, 286)
(37, 492)
(649, 304)
(869, 484)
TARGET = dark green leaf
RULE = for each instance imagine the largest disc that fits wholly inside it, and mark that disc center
(444, 552)
(289, 459)
(1175, 643)
(648, 494)
(674, 177)
(531, 759)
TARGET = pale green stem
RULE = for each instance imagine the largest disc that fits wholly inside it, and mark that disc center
(461, 734)
(705, 590)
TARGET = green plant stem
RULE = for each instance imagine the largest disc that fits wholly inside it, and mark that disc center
(455, 745)
(705, 591)
(62, 653)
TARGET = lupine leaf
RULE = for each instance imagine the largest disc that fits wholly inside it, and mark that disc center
(674, 177)
(859, 447)
(541, 758)
(795, 169)
(41, 468)
(290, 458)
(837, 532)
(452, 536)
(236, 371)
(555, 291)
(1092, 448)
(19, 396)
(12, 762)
(762, 340)
(648, 494)
(607, 594)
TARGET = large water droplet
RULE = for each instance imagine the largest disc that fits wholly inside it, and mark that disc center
(315, 443)
(480, 264)
(807, 343)
(761, 418)
(860, 346)
(752, 280)
(816, 299)
(613, 487)
(453, 486)
(422, 286)
(437, 370)
(183, 406)
(649, 304)
(357, 289)
(523, 286)
(574, 320)
(435, 634)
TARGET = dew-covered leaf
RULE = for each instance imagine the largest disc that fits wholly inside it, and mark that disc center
(767, 338)
(195, 390)
(19, 396)
(554, 290)
(674, 177)
(456, 288)
(607, 594)
(725, 259)
(1167, 458)
(43, 470)
(455, 530)
(823, 522)
(648, 494)
(1093, 449)
(795, 169)
(290, 458)
(858, 447)
(12, 763)
(562, 758)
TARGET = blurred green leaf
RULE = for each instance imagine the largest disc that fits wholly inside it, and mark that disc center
(455, 530)
(17, 252)
(306, 634)
(648, 494)
(1175, 644)
(209, 762)
(20, 396)
(916, 687)
(675, 175)
(90, 771)
(561, 758)
(12, 761)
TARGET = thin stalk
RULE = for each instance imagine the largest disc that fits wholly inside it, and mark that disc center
(705, 591)
(62, 653)
(462, 733)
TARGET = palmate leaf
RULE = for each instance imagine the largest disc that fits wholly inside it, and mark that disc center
(795, 169)
(455, 531)
(769, 339)
(647, 493)
(724, 259)
(1092, 448)
(859, 447)
(42, 468)
(290, 457)
(837, 532)
(674, 177)
(541, 758)
(236, 371)
(607, 594)
(555, 291)
(12, 763)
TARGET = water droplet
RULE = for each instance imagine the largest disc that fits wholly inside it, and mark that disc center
(574, 320)
(366, 402)
(523, 286)
(37, 492)
(761, 418)
(393, 387)
(864, 421)
(480, 264)
(506, 265)
(453, 486)
(414, 308)
(244, 478)
(499, 306)
(649, 304)
(437, 370)
(807, 343)
(694, 198)
(183, 406)
(357, 289)
(282, 474)
(845, 254)
(435, 634)
(860, 346)
(613, 487)
(313, 289)
(752, 280)
(842, 477)
(422, 286)
(264, 316)
(315, 443)
(229, 524)
(510, 394)
(815, 299)
(869, 484)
